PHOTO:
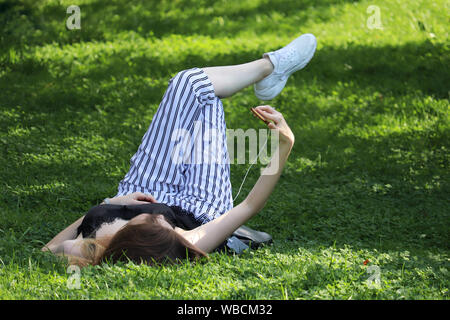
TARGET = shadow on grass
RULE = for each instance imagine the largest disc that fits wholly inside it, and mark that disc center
(387, 70)
(41, 25)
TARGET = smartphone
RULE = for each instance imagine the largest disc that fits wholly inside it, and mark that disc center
(258, 115)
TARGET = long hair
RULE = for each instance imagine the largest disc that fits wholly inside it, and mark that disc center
(148, 242)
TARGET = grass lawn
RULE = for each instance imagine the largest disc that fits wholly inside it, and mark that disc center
(368, 178)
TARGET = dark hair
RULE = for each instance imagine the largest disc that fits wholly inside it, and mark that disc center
(150, 243)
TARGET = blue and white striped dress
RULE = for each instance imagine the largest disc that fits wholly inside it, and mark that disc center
(183, 158)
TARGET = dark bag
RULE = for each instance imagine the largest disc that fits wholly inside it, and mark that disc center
(244, 238)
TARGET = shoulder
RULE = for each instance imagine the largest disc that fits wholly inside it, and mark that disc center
(98, 215)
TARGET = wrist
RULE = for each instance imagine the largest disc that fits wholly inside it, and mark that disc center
(287, 144)
(107, 201)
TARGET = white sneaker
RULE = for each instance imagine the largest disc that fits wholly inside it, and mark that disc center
(286, 61)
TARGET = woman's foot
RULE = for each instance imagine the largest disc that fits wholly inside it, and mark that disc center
(286, 61)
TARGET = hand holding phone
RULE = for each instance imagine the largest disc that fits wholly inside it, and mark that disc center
(258, 115)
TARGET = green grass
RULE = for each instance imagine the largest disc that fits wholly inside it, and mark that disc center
(368, 177)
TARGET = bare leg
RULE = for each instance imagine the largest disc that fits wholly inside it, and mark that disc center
(227, 80)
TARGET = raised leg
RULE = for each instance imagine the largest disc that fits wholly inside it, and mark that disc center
(227, 80)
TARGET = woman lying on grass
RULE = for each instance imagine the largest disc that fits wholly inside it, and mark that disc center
(171, 210)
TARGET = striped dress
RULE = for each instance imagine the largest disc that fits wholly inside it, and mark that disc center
(183, 158)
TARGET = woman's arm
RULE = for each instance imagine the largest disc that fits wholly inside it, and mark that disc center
(56, 245)
(69, 233)
(210, 235)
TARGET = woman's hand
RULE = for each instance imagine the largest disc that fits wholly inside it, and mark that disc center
(279, 124)
(133, 198)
